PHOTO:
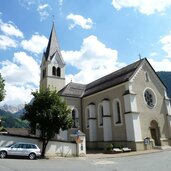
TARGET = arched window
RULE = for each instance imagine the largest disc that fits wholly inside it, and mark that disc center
(44, 73)
(75, 118)
(58, 72)
(149, 97)
(53, 70)
(100, 115)
(87, 117)
(117, 112)
(147, 77)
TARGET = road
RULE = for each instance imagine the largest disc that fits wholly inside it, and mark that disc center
(160, 161)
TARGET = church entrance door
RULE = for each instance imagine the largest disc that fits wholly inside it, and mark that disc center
(155, 133)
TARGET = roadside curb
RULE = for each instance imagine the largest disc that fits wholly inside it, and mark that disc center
(126, 154)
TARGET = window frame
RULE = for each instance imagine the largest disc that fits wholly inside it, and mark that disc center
(54, 71)
(76, 119)
(100, 115)
(116, 115)
(154, 99)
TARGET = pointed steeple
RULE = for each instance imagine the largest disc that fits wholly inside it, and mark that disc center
(53, 65)
(53, 48)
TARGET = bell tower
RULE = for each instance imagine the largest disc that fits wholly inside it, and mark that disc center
(52, 66)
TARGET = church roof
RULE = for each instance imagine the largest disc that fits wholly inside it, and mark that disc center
(53, 46)
(115, 78)
(73, 90)
(120, 76)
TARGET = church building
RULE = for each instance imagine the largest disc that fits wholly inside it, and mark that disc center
(124, 108)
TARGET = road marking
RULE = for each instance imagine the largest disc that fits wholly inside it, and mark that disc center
(104, 162)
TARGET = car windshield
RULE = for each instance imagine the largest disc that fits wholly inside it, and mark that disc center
(10, 145)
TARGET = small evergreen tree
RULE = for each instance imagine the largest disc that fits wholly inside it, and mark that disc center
(49, 113)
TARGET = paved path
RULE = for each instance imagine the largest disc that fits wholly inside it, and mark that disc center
(151, 160)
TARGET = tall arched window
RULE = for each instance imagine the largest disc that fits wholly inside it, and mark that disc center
(100, 115)
(117, 112)
(58, 72)
(87, 117)
(75, 118)
(147, 77)
(53, 70)
(44, 73)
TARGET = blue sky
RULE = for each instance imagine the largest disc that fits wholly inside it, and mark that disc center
(95, 37)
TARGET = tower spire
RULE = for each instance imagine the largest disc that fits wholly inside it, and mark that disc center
(53, 65)
(53, 46)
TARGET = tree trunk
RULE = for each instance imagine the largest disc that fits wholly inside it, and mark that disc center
(45, 142)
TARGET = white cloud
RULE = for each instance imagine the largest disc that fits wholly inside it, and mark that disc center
(80, 21)
(153, 54)
(60, 2)
(21, 77)
(10, 29)
(42, 9)
(7, 42)
(166, 42)
(36, 44)
(22, 70)
(147, 7)
(163, 65)
(16, 95)
(27, 3)
(94, 60)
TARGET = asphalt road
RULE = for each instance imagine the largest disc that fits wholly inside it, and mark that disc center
(160, 161)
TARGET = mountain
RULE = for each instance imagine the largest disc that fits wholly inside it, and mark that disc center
(12, 109)
(10, 120)
(166, 78)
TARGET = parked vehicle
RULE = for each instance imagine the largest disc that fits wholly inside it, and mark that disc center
(29, 150)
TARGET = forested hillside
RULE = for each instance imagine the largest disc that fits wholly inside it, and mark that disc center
(9, 120)
(166, 78)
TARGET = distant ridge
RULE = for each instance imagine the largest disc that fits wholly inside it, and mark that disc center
(166, 78)
(12, 120)
(11, 108)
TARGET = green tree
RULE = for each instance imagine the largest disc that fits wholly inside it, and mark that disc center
(49, 113)
(2, 88)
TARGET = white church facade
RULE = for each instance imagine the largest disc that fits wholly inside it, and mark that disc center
(122, 108)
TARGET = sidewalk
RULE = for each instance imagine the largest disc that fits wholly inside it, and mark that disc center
(100, 154)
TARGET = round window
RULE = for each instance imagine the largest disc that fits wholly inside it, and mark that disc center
(149, 97)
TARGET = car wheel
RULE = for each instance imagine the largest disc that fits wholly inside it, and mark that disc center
(32, 156)
(3, 154)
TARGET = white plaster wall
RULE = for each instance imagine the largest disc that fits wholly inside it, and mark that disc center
(133, 103)
(127, 103)
(107, 128)
(133, 127)
(63, 149)
(130, 103)
(106, 107)
(81, 147)
(92, 110)
(63, 135)
(54, 148)
(92, 130)
(92, 124)
(107, 123)
(169, 124)
(168, 107)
